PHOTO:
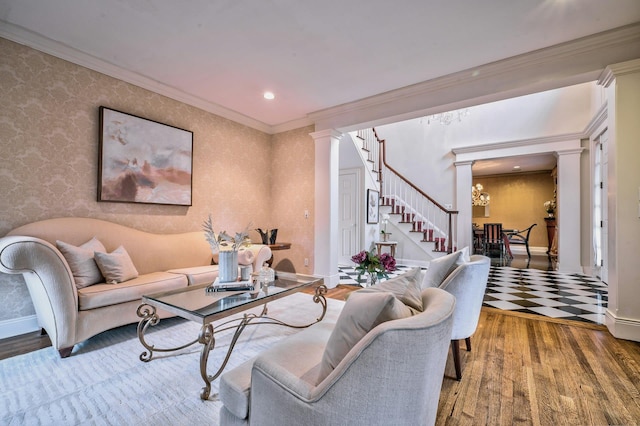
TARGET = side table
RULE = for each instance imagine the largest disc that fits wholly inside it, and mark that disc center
(391, 244)
(277, 246)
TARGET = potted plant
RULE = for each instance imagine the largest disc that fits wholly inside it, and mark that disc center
(375, 265)
(384, 235)
(227, 248)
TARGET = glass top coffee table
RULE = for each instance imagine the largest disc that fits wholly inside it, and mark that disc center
(197, 304)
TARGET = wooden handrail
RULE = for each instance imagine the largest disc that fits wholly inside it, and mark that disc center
(382, 160)
(383, 157)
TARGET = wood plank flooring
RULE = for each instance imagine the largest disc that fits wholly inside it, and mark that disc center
(530, 370)
(523, 369)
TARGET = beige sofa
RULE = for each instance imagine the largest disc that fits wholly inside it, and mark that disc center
(70, 314)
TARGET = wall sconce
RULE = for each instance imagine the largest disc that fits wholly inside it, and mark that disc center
(479, 198)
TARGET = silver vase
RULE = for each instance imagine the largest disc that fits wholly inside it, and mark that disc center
(228, 266)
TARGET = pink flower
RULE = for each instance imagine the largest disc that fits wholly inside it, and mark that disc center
(360, 257)
(372, 263)
(388, 262)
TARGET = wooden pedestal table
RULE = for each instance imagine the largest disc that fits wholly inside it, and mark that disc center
(274, 247)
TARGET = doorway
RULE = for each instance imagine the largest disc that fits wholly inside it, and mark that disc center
(349, 195)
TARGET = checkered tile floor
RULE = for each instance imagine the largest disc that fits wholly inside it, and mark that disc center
(549, 293)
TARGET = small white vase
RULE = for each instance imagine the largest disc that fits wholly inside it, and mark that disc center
(228, 266)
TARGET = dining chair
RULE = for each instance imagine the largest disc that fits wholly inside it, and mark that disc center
(521, 238)
(493, 239)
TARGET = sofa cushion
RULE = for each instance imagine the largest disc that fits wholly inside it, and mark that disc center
(363, 311)
(198, 274)
(441, 267)
(81, 261)
(116, 266)
(99, 295)
(405, 287)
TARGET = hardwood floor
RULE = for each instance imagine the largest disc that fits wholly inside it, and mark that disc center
(533, 370)
(523, 369)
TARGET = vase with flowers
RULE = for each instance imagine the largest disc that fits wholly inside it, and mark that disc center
(374, 265)
(227, 248)
(550, 207)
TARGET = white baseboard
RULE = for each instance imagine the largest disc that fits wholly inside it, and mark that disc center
(18, 326)
(622, 328)
(519, 249)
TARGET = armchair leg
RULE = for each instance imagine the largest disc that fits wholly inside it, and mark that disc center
(455, 349)
(65, 352)
(468, 342)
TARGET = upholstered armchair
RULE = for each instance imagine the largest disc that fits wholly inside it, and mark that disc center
(467, 283)
(393, 375)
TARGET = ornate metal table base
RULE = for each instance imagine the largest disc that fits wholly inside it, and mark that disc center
(206, 337)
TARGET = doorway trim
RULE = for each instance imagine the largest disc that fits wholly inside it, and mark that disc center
(567, 148)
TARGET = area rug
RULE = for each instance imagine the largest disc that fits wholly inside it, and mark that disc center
(104, 382)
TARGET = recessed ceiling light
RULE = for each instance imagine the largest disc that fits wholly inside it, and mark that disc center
(269, 95)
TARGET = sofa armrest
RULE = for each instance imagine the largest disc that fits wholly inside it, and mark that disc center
(50, 283)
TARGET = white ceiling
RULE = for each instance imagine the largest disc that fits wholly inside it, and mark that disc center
(223, 54)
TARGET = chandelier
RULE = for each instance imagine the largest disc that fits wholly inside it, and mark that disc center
(479, 198)
(446, 118)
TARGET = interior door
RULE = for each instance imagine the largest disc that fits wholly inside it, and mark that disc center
(349, 194)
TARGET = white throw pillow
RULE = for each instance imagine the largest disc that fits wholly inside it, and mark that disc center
(406, 288)
(363, 311)
(116, 266)
(439, 269)
(81, 261)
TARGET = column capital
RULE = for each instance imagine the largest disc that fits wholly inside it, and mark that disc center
(464, 163)
(573, 151)
(327, 133)
(615, 70)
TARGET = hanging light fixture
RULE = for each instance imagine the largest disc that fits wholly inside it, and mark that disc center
(479, 198)
(446, 118)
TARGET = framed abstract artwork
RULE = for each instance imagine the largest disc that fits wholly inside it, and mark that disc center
(373, 206)
(143, 161)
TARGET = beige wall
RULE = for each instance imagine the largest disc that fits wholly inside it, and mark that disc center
(293, 191)
(49, 144)
(517, 201)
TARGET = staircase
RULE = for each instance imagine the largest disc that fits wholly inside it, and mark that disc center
(412, 212)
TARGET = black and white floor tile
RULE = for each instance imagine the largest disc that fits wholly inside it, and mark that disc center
(549, 293)
(349, 276)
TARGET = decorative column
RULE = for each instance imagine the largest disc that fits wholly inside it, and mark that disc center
(327, 171)
(568, 212)
(464, 181)
(622, 83)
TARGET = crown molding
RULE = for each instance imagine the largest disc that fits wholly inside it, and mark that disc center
(572, 62)
(36, 41)
(290, 125)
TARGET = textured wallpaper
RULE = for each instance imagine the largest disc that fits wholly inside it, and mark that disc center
(49, 140)
(293, 188)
